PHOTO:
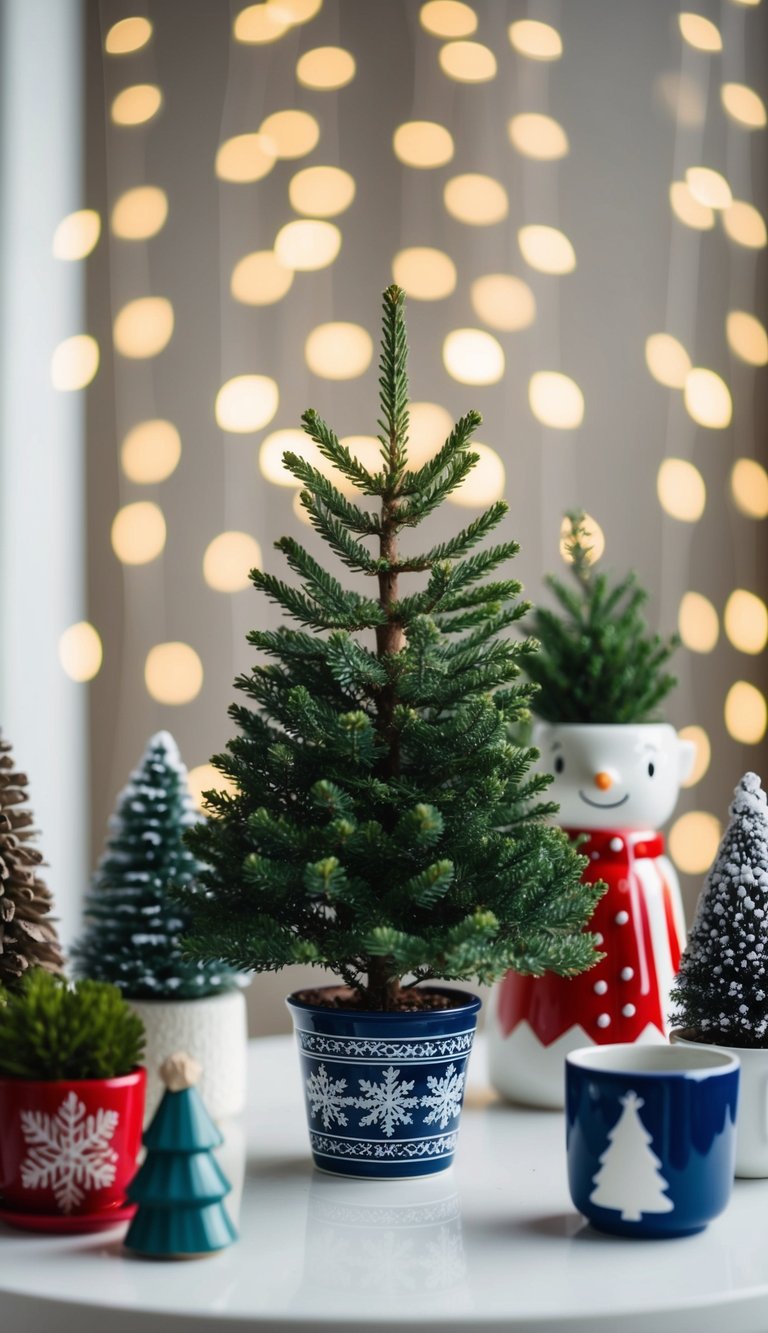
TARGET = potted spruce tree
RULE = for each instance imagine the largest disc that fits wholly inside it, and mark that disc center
(721, 994)
(384, 822)
(71, 1103)
(601, 677)
(134, 927)
(27, 934)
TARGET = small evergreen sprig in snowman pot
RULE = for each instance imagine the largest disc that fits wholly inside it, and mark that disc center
(721, 994)
(617, 773)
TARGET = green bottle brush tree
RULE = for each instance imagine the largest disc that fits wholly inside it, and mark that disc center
(134, 924)
(384, 823)
(598, 661)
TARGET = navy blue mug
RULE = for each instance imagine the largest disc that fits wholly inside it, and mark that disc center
(651, 1136)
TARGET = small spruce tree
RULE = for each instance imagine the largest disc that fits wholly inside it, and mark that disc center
(133, 923)
(384, 823)
(721, 992)
(598, 662)
(28, 936)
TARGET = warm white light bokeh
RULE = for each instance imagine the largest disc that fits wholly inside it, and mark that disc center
(667, 360)
(485, 483)
(699, 738)
(138, 533)
(127, 35)
(137, 104)
(546, 249)
(749, 488)
(745, 621)
(326, 68)
(697, 623)
(321, 192)
(173, 673)
(556, 400)
(338, 350)
(478, 200)
(140, 213)
(308, 244)
(473, 356)
(745, 713)
(77, 234)
(260, 279)
(707, 399)
(693, 841)
(228, 559)
(503, 301)
(80, 651)
(246, 403)
(681, 490)
(424, 273)
(74, 362)
(151, 451)
(143, 327)
(423, 143)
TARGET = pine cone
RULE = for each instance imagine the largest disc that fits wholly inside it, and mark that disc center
(27, 936)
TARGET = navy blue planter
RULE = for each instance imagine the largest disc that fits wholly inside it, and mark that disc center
(384, 1091)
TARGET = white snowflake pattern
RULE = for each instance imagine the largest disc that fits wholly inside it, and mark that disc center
(326, 1097)
(387, 1102)
(69, 1152)
(444, 1097)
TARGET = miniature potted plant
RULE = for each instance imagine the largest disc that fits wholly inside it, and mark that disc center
(71, 1103)
(384, 823)
(721, 993)
(601, 678)
(134, 927)
(27, 934)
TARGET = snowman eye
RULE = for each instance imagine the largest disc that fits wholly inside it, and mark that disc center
(559, 764)
(651, 769)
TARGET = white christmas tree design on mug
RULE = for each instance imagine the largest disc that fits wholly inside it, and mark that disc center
(629, 1178)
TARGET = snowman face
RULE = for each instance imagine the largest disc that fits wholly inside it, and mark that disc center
(624, 776)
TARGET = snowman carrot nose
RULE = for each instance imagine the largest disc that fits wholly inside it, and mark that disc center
(604, 781)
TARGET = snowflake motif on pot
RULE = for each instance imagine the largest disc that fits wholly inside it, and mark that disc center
(387, 1103)
(444, 1097)
(69, 1152)
(326, 1097)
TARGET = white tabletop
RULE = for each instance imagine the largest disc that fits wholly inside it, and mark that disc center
(492, 1244)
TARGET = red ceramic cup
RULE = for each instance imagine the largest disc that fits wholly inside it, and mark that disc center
(68, 1148)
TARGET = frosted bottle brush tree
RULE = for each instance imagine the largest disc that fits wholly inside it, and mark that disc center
(721, 994)
(384, 823)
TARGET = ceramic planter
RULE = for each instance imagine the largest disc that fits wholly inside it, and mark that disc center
(68, 1150)
(752, 1120)
(213, 1030)
(616, 785)
(384, 1091)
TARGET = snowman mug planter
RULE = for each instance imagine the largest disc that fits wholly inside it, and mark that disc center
(615, 784)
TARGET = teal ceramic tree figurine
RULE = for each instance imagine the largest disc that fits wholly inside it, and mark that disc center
(180, 1187)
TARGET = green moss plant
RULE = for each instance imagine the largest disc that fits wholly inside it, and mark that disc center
(53, 1029)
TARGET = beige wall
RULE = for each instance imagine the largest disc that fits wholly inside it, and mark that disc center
(638, 272)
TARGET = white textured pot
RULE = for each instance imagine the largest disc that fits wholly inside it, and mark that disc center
(752, 1114)
(213, 1031)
